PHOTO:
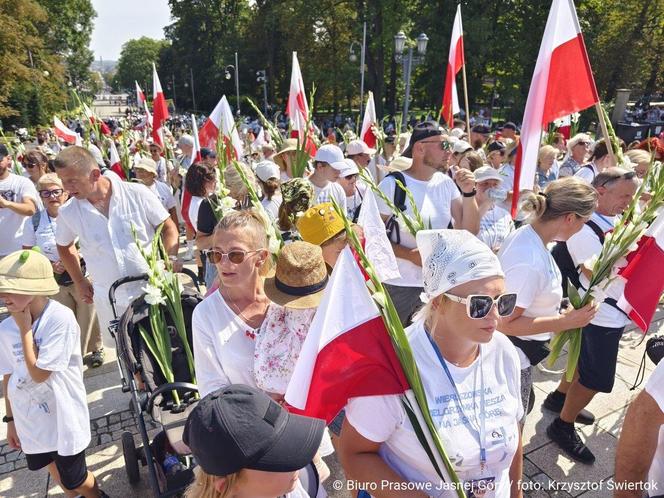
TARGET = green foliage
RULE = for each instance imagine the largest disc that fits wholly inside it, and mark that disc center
(135, 63)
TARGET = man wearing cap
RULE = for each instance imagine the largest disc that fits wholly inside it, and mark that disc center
(479, 135)
(348, 179)
(186, 146)
(101, 214)
(440, 202)
(209, 157)
(18, 200)
(495, 223)
(509, 131)
(146, 173)
(362, 154)
(162, 166)
(577, 150)
(328, 162)
(495, 154)
(285, 157)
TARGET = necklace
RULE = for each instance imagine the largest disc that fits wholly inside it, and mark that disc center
(460, 363)
(236, 308)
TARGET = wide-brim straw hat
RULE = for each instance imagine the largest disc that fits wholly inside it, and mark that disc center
(27, 272)
(300, 277)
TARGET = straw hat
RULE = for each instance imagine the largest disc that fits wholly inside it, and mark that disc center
(289, 145)
(27, 272)
(300, 277)
(319, 224)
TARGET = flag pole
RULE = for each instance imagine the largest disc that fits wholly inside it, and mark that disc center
(465, 95)
(605, 132)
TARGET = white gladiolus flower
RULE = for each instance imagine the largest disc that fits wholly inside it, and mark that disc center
(370, 285)
(590, 263)
(153, 295)
(574, 117)
(380, 299)
(160, 267)
(273, 245)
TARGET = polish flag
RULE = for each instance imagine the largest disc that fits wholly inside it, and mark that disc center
(159, 108)
(140, 96)
(376, 244)
(222, 120)
(69, 136)
(297, 108)
(347, 352)
(196, 150)
(103, 127)
(455, 62)
(643, 288)
(116, 163)
(369, 120)
(562, 84)
(565, 126)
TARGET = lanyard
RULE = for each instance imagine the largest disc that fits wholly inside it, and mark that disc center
(38, 321)
(605, 220)
(481, 431)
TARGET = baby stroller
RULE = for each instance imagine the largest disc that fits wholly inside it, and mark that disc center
(170, 467)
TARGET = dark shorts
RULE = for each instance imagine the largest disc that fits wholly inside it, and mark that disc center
(73, 469)
(599, 355)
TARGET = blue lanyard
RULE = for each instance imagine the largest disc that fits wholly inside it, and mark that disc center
(481, 431)
(606, 220)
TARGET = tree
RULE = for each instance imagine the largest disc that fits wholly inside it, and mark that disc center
(135, 63)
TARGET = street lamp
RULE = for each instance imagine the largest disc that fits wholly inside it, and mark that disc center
(408, 60)
(262, 78)
(353, 58)
(227, 75)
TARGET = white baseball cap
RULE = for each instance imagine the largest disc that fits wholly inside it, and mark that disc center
(487, 173)
(461, 146)
(350, 169)
(332, 155)
(267, 169)
(146, 164)
(355, 147)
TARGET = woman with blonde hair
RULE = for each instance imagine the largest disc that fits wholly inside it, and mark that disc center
(641, 161)
(531, 272)
(547, 169)
(247, 445)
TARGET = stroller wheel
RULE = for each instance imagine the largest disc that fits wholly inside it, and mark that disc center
(130, 457)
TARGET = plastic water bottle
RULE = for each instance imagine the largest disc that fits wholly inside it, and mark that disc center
(172, 465)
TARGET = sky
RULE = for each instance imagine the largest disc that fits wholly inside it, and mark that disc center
(118, 21)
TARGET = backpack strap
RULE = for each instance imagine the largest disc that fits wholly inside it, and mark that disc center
(399, 193)
(36, 218)
(598, 231)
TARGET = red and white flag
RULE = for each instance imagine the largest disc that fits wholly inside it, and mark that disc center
(347, 352)
(140, 96)
(159, 108)
(643, 286)
(297, 108)
(221, 119)
(69, 136)
(116, 163)
(368, 121)
(376, 244)
(196, 150)
(562, 84)
(103, 127)
(455, 62)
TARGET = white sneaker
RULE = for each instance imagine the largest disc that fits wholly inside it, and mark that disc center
(189, 255)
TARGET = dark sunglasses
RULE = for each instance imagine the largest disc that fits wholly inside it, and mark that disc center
(30, 165)
(45, 194)
(627, 175)
(444, 145)
(479, 305)
(236, 257)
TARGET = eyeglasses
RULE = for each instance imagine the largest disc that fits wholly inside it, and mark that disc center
(444, 145)
(30, 165)
(627, 175)
(236, 257)
(45, 194)
(478, 306)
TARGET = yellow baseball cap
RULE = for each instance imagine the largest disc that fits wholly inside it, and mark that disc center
(319, 224)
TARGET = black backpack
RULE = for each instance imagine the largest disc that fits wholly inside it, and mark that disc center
(392, 224)
(562, 257)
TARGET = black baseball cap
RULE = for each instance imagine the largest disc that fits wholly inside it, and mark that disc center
(240, 427)
(481, 129)
(421, 132)
(510, 126)
(205, 153)
(4, 151)
(496, 145)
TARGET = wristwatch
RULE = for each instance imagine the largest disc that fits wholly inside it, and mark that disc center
(7, 419)
(469, 194)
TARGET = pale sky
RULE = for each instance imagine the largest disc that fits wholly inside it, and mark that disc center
(118, 21)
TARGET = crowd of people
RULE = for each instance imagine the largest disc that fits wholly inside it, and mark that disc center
(480, 295)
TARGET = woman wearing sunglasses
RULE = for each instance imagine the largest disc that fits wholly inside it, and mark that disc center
(40, 231)
(35, 163)
(471, 378)
(556, 214)
(226, 322)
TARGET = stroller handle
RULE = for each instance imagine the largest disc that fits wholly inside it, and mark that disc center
(143, 277)
(169, 386)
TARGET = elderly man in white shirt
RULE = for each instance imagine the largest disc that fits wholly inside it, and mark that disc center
(100, 214)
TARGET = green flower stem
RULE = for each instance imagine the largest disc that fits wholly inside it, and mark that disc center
(420, 407)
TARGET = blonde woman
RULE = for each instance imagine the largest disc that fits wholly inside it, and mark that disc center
(547, 169)
(531, 272)
(247, 445)
(641, 160)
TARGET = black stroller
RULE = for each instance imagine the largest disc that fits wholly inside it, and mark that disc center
(170, 467)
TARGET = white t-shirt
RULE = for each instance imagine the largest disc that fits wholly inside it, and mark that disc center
(193, 210)
(582, 246)
(223, 347)
(587, 173)
(382, 419)
(434, 200)
(44, 236)
(531, 272)
(14, 188)
(330, 191)
(164, 194)
(507, 172)
(655, 387)
(495, 226)
(271, 206)
(51, 415)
